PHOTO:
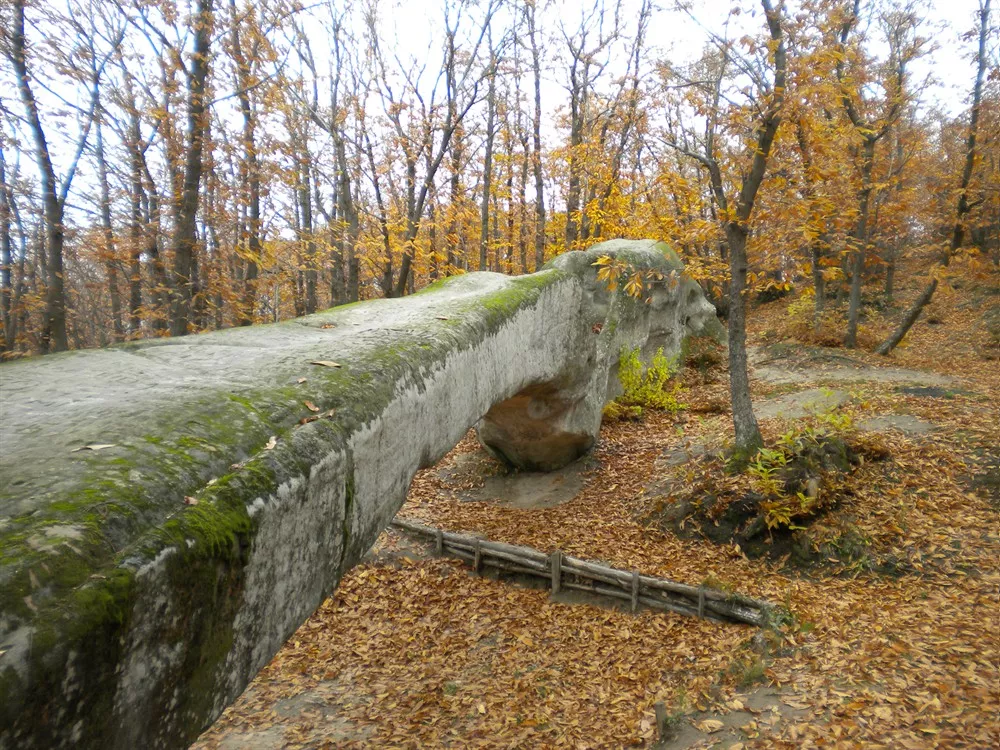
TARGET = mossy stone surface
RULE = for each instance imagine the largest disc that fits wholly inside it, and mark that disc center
(170, 511)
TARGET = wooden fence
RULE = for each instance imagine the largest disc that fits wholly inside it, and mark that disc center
(571, 573)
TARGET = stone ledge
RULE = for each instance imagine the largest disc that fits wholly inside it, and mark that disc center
(144, 583)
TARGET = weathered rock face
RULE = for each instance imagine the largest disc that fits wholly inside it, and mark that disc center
(145, 580)
(550, 423)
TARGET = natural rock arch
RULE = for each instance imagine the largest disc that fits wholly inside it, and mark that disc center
(146, 579)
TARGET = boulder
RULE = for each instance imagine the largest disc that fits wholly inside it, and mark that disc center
(172, 510)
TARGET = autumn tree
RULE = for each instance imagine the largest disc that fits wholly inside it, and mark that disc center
(964, 205)
(734, 211)
(54, 191)
(871, 120)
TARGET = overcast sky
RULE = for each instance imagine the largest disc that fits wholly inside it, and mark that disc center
(414, 28)
(678, 36)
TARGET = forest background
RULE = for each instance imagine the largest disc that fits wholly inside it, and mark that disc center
(169, 167)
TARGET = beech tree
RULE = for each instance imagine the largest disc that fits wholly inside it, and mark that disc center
(735, 211)
(54, 191)
(964, 204)
(871, 128)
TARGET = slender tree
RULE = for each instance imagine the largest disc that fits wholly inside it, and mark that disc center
(735, 219)
(185, 236)
(964, 205)
(54, 194)
(871, 131)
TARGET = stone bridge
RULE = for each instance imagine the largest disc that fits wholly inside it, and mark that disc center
(172, 510)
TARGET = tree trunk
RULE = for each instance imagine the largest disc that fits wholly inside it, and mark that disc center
(484, 211)
(161, 282)
(136, 229)
(522, 184)
(383, 219)
(186, 231)
(577, 99)
(54, 336)
(111, 260)
(251, 173)
(349, 214)
(6, 289)
(890, 273)
(307, 236)
(536, 135)
(819, 283)
(860, 237)
(747, 432)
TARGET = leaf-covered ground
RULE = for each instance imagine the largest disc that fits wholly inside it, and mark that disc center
(416, 652)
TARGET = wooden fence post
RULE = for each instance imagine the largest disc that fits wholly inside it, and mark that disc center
(556, 571)
(661, 720)
(635, 590)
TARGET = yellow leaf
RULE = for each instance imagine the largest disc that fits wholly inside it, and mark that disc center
(710, 726)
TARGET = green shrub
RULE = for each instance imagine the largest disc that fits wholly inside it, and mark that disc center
(648, 387)
(788, 475)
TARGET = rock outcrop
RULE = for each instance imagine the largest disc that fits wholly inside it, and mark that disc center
(172, 510)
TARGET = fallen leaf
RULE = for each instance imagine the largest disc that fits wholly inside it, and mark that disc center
(300, 381)
(442, 317)
(328, 325)
(188, 500)
(709, 726)
(481, 708)
(94, 447)
(325, 363)
(310, 406)
(273, 441)
(793, 703)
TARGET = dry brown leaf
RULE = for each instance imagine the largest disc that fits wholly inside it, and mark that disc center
(94, 447)
(325, 363)
(709, 726)
(310, 406)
